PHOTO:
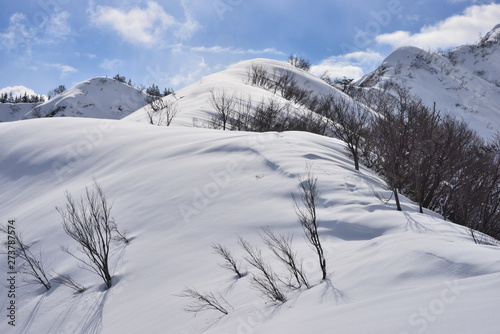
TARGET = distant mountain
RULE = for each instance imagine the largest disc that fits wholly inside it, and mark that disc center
(98, 97)
(14, 111)
(464, 82)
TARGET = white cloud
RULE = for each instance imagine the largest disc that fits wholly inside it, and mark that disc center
(58, 26)
(144, 26)
(21, 34)
(17, 90)
(63, 69)
(86, 55)
(190, 74)
(111, 64)
(455, 30)
(18, 36)
(221, 49)
(351, 65)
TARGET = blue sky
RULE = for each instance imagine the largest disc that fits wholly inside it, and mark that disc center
(45, 43)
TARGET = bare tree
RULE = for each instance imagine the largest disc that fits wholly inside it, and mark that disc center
(90, 224)
(299, 62)
(305, 208)
(223, 104)
(281, 246)
(266, 281)
(350, 123)
(161, 112)
(33, 265)
(390, 136)
(203, 301)
(242, 117)
(230, 263)
(258, 75)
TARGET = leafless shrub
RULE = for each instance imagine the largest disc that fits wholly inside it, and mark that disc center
(350, 123)
(258, 75)
(89, 223)
(161, 112)
(305, 208)
(299, 62)
(270, 116)
(281, 246)
(203, 301)
(242, 116)
(230, 263)
(223, 104)
(266, 281)
(68, 281)
(33, 266)
(308, 122)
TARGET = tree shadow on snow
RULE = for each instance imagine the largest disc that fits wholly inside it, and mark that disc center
(414, 225)
(87, 314)
(62, 318)
(29, 320)
(332, 293)
(92, 320)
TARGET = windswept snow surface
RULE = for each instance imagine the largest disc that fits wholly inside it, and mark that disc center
(177, 190)
(464, 82)
(98, 97)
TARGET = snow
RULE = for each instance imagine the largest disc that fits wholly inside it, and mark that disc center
(194, 101)
(99, 97)
(462, 82)
(177, 190)
(14, 111)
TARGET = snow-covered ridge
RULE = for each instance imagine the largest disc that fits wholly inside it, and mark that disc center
(464, 82)
(98, 97)
(10, 112)
(193, 101)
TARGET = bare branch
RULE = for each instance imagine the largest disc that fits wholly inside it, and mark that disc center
(203, 301)
(230, 263)
(90, 224)
(266, 281)
(68, 281)
(305, 208)
(33, 266)
(281, 246)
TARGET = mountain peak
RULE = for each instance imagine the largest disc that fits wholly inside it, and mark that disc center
(493, 36)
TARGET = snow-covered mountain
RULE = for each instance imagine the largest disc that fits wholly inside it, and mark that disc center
(179, 189)
(464, 82)
(10, 112)
(98, 97)
(193, 101)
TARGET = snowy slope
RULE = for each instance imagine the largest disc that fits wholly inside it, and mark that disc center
(194, 101)
(177, 190)
(15, 111)
(463, 82)
(98, 97)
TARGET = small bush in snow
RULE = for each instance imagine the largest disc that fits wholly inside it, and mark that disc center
(281, 246)
(90, 224)
(299, 62)
(33, 266)
(266, 281)
(305, 208)
(203, 301)
(161, 112)
(229, 262)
